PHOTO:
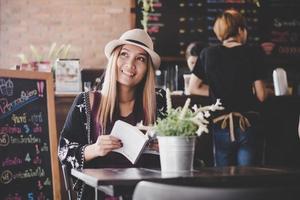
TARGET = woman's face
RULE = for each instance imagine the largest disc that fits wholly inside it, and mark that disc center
(132, 65)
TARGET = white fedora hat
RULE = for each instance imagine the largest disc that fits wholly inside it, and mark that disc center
(137, 37)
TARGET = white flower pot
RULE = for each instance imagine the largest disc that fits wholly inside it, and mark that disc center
(176, 153)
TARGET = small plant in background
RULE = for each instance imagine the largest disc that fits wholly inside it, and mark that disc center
(39, 60)
(185, 121)
(147, 7)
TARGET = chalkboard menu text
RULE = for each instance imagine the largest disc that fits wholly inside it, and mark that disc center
(28, 143)
(273, 25)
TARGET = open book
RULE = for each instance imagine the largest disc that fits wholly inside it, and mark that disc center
(134, 141)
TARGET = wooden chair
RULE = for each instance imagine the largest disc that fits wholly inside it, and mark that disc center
(149, 190)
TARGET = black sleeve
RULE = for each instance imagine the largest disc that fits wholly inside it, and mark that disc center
(73, 136)
(199, 69)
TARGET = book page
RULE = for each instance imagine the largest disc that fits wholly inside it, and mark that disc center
(132, 138)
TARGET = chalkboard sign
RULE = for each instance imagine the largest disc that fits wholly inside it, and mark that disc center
(273, 25)
(280, 28)
(28, 139)
(173, 24)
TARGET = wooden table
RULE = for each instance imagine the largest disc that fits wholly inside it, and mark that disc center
(122, 181)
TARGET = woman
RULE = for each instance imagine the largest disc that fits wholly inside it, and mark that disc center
(191, 55)
(128, 94)
(192, 52)
(233, 73)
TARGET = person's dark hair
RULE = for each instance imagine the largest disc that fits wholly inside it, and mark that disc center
(194, 49)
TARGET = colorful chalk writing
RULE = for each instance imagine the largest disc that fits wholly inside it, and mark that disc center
(24, 140)
(189, 21)
(25, 98)
(37, 129)
(4, 139)
(37, 118)
(14, 196)
(6, 87)
(273, 25)
(45, 147)
(27, 158)
(37, 160)
(19, 119)
(280, 25)
(10, 161)
(10, 130)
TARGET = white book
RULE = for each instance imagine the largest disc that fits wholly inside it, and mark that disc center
(134, 141)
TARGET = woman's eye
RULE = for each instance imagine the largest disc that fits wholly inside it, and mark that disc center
(124, 54)
(141, 59)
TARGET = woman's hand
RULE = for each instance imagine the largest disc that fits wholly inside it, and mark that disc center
(103, 145)
(106, 143)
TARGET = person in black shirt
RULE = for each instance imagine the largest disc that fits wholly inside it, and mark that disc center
(234, 73)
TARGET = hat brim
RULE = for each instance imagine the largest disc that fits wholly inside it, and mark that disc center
(109, 48)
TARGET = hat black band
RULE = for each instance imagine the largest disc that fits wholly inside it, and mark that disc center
(137, 42)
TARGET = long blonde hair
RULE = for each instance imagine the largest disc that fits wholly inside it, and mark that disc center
(109, 92)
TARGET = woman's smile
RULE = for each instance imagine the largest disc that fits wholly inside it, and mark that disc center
(130, 73)
(132, 65)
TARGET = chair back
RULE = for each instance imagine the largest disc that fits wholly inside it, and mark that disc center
(67, 181)
(149, 190)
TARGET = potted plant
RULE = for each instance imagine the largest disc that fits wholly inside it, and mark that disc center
(42, 62)
(177, 133)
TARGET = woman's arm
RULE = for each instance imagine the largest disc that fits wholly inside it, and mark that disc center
(260, 90)
(197, 87)
(74, 149)
(73, 138)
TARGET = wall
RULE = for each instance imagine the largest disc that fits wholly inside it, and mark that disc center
(86, 25)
